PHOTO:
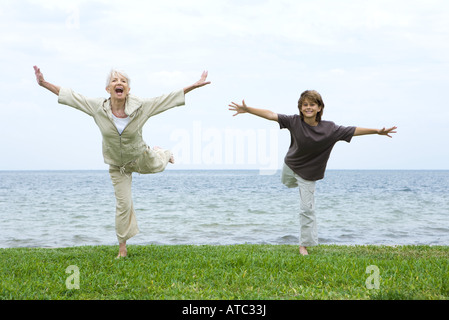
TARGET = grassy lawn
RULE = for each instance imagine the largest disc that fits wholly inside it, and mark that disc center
(244, 272)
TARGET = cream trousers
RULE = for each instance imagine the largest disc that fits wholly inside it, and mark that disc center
(307, 219)
(125, 217)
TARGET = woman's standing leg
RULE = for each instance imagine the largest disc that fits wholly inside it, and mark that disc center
(125, 217)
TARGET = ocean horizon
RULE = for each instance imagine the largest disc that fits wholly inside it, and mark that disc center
(63, 208)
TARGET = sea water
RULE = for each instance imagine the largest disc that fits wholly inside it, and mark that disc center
(220, 207)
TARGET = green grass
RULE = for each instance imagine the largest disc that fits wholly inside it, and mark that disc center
(244, 272)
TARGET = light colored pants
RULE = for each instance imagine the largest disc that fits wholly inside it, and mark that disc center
(307, 219)
(125, 217)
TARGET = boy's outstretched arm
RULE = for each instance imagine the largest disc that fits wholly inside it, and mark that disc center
(243, 108)
(384, 132)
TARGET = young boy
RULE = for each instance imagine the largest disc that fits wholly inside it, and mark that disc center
(312, 140)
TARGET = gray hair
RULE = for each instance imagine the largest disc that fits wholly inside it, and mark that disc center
(114, 72)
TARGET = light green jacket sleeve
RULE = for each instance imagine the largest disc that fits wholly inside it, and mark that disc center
(149, 107)
(154, 106)
(87, 105)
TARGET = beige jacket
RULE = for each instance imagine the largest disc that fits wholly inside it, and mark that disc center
(119, 150)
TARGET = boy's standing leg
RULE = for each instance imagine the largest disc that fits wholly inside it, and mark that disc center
(307, 219)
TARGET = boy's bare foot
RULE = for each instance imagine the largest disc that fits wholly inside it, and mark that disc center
(303, 251)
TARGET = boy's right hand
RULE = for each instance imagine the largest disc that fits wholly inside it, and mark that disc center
(238, 108)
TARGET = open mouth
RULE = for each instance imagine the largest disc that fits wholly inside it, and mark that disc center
(119, 90)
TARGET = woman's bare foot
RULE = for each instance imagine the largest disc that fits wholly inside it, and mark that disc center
(171, 160)
(122, 252)
(303, 251)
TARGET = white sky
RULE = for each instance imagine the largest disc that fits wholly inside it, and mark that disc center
(376, 63)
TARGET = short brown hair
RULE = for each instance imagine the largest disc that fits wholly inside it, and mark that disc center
(312, 96)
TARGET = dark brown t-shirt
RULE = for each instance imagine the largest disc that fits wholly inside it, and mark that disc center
(311, 147)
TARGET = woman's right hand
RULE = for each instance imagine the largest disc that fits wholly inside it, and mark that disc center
(41, 81)
(39, 76)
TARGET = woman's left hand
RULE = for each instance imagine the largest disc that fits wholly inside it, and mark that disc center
(200, 83)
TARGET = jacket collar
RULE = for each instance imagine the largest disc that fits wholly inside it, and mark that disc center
(132, 104)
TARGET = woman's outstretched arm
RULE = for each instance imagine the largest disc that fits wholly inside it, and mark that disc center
(47, 85)
(199, 83)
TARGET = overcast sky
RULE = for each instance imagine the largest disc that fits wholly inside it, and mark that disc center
(376, 63)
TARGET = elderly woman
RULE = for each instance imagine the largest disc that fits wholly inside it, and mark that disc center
(120, 119)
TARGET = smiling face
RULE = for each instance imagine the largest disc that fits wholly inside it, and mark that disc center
(310, 109)
(311, 106)
(118, 86)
